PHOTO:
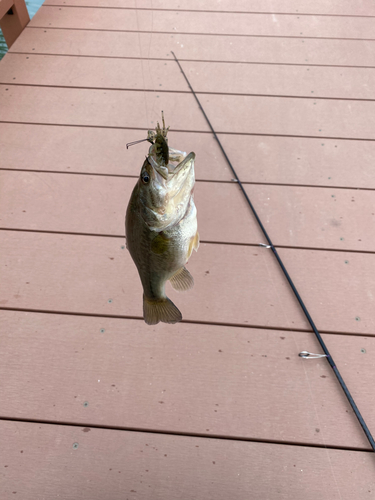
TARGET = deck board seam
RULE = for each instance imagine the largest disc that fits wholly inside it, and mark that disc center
(11, 52)
(202, 34)
(183, 434)
(65, 6)
(207, 242)
(218, 181)
(222, 132)
(199, 92)
(186, 321)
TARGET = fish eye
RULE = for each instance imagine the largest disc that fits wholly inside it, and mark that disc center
(145, 178)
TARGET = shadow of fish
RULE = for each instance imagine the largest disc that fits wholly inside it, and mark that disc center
(161, 226)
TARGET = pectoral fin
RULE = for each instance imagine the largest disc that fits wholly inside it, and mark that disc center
(159, 244)
(182, 280)
(194, 244)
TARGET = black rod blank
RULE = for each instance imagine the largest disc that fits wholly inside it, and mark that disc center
(290, 281)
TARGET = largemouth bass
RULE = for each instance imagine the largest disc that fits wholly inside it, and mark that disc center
(161, 226)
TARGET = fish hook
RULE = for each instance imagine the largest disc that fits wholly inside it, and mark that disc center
(137, 142)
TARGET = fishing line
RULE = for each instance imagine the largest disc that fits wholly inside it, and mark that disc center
(150, 72)
(270, 245)
(140, 53)
(145, 63)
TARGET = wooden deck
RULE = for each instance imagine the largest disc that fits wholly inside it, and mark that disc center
(95, 404)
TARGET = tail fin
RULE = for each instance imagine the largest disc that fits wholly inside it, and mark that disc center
(160, 310)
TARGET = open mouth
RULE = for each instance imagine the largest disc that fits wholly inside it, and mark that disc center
(179, 176)
(182, 165)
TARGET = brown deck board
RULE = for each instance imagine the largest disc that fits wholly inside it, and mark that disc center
(293, 216)
(75, 287)
(117, 465)
(318, 218)
(277, 80)
(52, 202)
(197, 47)
(99, 150)
(80, 274)
(228, 113)
(131, 376)
(297, 160)
(264, 159)
(204, 22)
(335, 7)
(98, 107)
(220, 405)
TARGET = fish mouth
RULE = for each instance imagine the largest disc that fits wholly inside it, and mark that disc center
(190, 157)
(178, 176)
(169, 197)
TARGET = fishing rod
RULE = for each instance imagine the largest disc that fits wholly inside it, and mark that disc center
(303, 354)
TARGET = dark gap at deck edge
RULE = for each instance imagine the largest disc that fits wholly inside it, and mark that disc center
(207, 11)
(256, 134)
(203, 34)
(199, 92)
(211, 181)
(206, 242)
(183, 434)
(185, 321)
(10, 52)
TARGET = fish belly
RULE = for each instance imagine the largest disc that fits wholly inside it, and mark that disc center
(159, 255)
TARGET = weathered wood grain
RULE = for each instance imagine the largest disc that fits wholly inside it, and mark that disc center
(336, 7)
(118, 465)
(280, 160)
(204, 22)
(231, 78)
(124, 374)
(228, 113)
(82, 274)
(197, 47)
(293, 216)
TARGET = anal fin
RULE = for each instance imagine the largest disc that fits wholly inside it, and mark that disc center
(182, 280)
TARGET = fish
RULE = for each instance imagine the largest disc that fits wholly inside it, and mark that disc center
(161, 225)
